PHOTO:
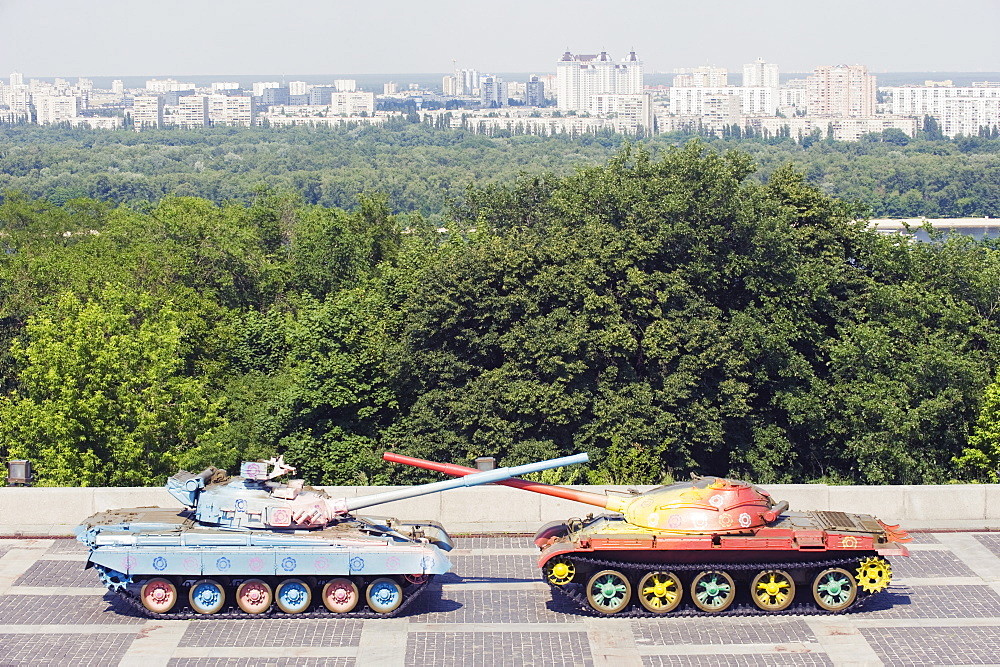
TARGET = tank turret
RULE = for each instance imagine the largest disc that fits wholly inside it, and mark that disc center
(713, 537)
(251, 545)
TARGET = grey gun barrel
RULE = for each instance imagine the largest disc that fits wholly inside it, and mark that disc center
(475, 479)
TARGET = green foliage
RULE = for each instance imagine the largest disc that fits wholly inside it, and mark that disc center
(102, 397)
(675, 310)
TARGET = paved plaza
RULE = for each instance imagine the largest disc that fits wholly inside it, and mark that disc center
(943, 608)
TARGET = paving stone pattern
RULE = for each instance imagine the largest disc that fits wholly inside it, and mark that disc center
(514, 542)
(67, 546)
(923, 538)
(991, 542)
(934, 602)
(935, 646)
(59, 573)
(262, 662)
(507, 622)
(930, 564)
(54, 609)
(544, 649)
(670, 631)
(737, 660)
(277, 632)
(492, 606)
(63, 649)
(496, 568)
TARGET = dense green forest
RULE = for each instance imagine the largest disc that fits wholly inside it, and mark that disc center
(425, 169)
(668, 310)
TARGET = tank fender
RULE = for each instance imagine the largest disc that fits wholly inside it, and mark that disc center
(551, 530)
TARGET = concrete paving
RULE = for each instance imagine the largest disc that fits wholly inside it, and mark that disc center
(943, 608)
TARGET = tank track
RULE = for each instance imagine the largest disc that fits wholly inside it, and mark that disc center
(577, 592)
(232, 612)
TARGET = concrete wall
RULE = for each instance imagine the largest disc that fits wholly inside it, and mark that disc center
(54, 511)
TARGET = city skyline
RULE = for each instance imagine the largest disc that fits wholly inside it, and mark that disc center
(64, 38)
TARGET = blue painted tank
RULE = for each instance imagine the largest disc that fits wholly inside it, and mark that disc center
(250, 545)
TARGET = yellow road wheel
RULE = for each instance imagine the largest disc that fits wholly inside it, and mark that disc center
(660, 592)
(560, 571)
(874, 574)
(773, 590)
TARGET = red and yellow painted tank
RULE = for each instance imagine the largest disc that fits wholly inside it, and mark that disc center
(710, 545)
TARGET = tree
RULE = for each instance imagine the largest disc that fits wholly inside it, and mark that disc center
(102, 397)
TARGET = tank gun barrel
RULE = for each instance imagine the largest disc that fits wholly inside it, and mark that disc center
(499, 475)
(596, 499)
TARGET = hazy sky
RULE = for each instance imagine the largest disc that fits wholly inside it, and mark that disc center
(177, 37)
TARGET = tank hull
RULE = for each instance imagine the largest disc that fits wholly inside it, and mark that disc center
(800, 555)
(132, 547)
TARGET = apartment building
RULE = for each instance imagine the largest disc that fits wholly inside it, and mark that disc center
(352, 104)
(147, 111)
(232, 110)
(701, 77)
(190, 111)
(634, 112)
(840, 91)
(750, 101)
(958, 110)
(760, 74)
(51, 109)
(579, 77)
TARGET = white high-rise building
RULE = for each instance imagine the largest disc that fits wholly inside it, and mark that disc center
(51, 109)
(958, 110)
(352, 104)
(701, 77)
(232, 110)
(117, 87)
(695, 101)
(298, 88)
(260, 86)
(580, 77)
(160, 86)
(16, 79)
(345, 85)
(147, 111)
(841, 91)
(760, 74)
(221, 86)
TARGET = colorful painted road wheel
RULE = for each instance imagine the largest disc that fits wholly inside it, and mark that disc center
(609, 592)
(207, 596)
(340, 595)
(874, 574)
(293, 596)
(773, 590)
(158, 595)
(559, 571)
(834, 589)
(254, 596)
(713, 590)
(660, 592)
(384, 595)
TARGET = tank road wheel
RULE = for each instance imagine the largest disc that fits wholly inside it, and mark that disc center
(834, 589)
(207, 596)
(293, 596)
(384, 595)
(158, 595)
(254, 596)
(340, 595)
(559, 571)
(874, 574)
(609, 591)
(773, 590)
(660, 592)
(713, 590)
